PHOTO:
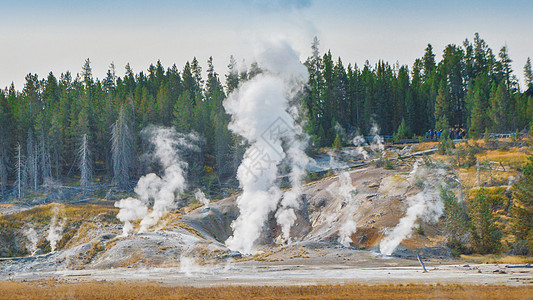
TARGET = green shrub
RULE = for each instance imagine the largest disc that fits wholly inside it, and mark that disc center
(486, 235)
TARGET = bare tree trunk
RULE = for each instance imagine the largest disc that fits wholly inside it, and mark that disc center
(122, 150)
(3, 167)
(85, 162)
(20, 181)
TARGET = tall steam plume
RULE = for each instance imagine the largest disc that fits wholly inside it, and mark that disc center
(347, 191)
(263, 113)
(56, 229)
(164, 190)
(425, 205)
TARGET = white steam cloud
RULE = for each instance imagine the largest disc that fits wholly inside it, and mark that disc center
(263, 114)
(298, 160)
(188, 265)
(425, 205)
(200, 197)
(56, 229)
(130, 209)
(164, 190)
(31, 235)
(345, 189)
(359, 142)
(377, 141)
(345, 232)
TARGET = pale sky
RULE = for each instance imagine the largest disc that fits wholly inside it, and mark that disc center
(58, 35)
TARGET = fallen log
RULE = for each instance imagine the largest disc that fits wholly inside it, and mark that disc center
(528, 265)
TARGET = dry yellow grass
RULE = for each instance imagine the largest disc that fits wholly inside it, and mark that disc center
(512, 156)
(188, 228)
(497, 259)
(72, 213)
(52, 289)
(425, 146)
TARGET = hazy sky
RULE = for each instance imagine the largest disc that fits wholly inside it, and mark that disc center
(39, 36)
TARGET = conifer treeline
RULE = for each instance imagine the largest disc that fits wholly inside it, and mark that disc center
(470, 87)
(46, 126)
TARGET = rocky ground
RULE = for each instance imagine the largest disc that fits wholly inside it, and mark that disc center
(187, 247)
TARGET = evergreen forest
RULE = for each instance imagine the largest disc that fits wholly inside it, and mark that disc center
(74, 129)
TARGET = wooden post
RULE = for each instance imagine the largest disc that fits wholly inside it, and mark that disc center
(421, 262)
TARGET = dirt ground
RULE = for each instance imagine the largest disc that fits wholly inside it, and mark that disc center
(187, 254)
(363, 267)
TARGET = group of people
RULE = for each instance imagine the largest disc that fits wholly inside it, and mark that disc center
(454, 134)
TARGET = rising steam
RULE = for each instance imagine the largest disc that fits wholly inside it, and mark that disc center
(344, 189)
(161, 191)
(200, 197)
(263, 114)
(56, 229)
(31, 235)
(347, 191)
(377, 141)
(425, 205)
(359, 142)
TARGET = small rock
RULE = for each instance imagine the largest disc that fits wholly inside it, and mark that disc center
(373, 185)
(369, 197)
(466, 266)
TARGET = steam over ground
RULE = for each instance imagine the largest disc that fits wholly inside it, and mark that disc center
(263, 114)
(425, 205)
(162, 191)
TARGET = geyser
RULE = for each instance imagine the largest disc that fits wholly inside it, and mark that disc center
(425, 205)
(347, 191)
(164, 190)
(264, 112)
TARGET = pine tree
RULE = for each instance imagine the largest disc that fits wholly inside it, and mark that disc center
(456, 221)
(402, 132)
(313, 102)
(522, 209)
(485, 233)
(183, 113)
(528, 73)
(452, 72)
(232, 78)
(505, 69)
(442, 107)
(32, 167)
(87, 73)
(337, 144)
(45, 165)
(499, 107)
(428, 61)
(4, 143)
(478, 99)
(223, 146)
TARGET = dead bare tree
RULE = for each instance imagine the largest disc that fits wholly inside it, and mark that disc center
(85, 162)
(122, 150)
(3, 166)
(20, 181)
